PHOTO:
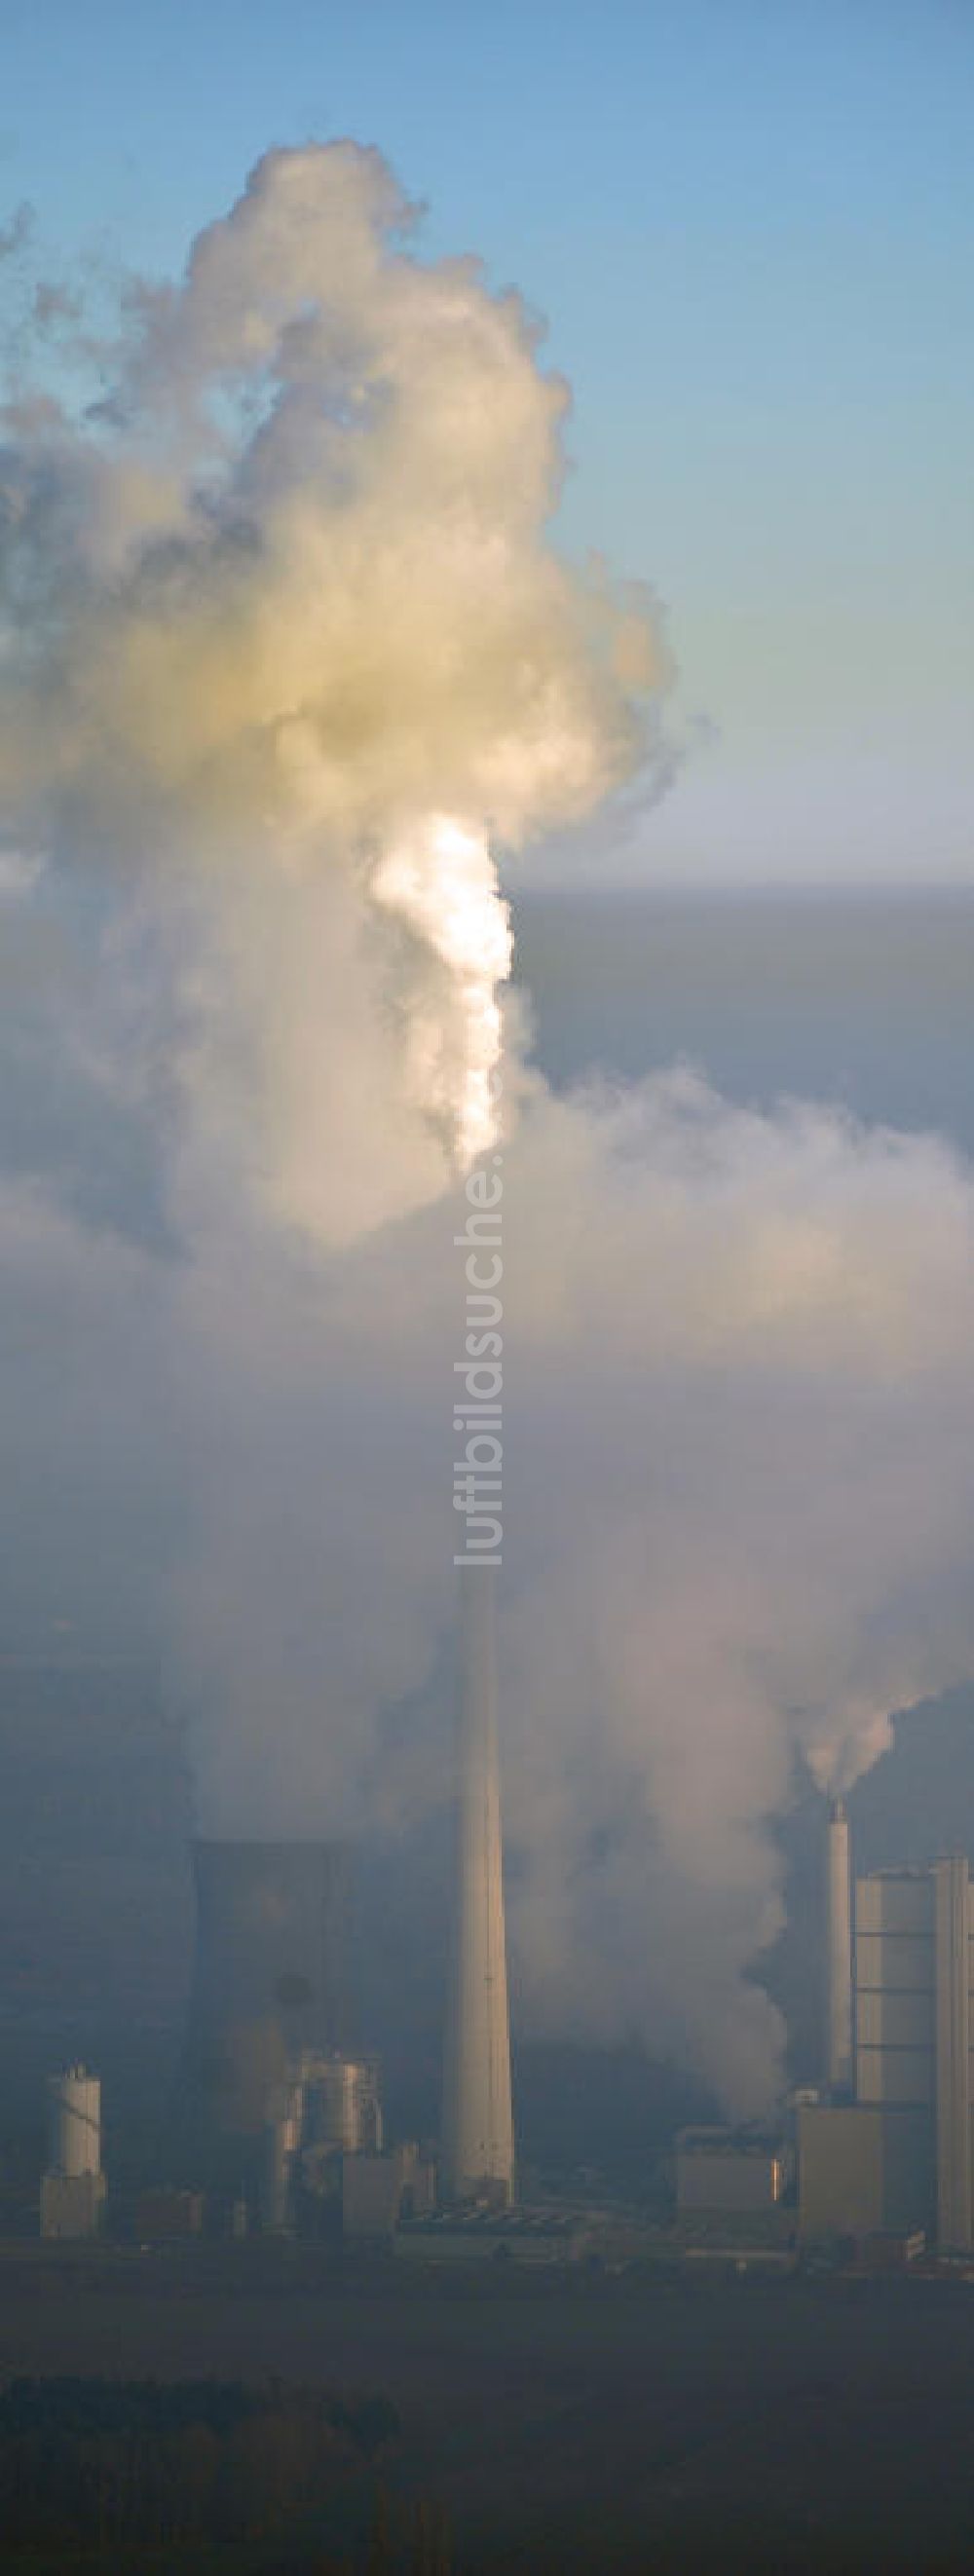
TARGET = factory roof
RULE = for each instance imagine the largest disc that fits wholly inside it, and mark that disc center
(484, 2221)
(727, 2142)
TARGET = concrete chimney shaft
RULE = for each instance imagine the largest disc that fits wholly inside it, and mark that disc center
(478, 2139)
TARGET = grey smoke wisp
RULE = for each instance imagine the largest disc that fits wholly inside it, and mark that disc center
(291, 657)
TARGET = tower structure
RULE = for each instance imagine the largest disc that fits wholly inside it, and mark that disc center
(900, 2156)
(915, 2007)
(267, 1983)
(839, 2060)
(478, 2135)
(952, 2031)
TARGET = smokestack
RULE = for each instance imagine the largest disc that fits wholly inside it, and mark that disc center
(839, 1933)
(478, 2137)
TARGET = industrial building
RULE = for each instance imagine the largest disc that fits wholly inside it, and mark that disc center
(541, 2238)
(270, 2109)
(327, 2109)
(728, 2170)
(379, 2192)
(899, 2158)
(167, 2217)
(863, 2171)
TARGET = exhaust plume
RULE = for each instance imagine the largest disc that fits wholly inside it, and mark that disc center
(442, 884)
(287, 614)
(287, 658)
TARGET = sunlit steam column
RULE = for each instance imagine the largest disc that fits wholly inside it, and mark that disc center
(478, 2136)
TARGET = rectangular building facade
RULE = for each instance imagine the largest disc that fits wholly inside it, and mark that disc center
(72, 2204)
(864, 2171)
(954, 1931)
(915, 2019)
(715, 2172)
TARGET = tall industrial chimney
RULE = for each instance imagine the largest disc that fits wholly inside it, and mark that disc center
(839, 1953)
(478, 2137)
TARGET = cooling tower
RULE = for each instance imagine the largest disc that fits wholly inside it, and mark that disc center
(478, 2142)
(268, 1974)
(838, 2036)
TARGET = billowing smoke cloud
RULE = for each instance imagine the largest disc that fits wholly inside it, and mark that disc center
(291, 658)
(739, 1473)
(286, 615)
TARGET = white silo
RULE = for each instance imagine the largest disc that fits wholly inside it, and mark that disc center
(343, 2104)
(73, 2188)
(74, 2113)
(478, 2136)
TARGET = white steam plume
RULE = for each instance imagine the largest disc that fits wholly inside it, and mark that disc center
(286, 611)
(443, 885)
(286, 657)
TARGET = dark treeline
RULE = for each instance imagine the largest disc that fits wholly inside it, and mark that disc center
(103, 2477)
(93, 2470)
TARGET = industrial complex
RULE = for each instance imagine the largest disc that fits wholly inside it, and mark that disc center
(891, 2152)
(277, 2127)
(278, 2123)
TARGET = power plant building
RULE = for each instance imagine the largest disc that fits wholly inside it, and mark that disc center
(327, 2109)
(723, 2170)
(379, 2191)
(953, 1936)
(901, 2157)
(863, 2171)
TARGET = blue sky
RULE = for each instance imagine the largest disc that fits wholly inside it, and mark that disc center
(749, 225)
